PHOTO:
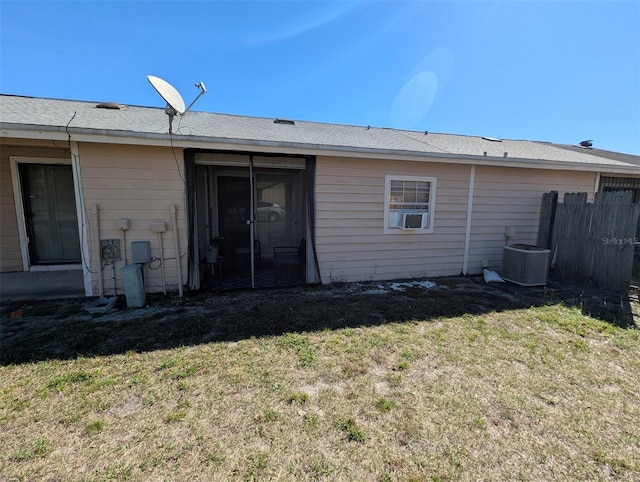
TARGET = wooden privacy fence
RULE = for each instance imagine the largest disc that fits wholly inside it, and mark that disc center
(591, 242)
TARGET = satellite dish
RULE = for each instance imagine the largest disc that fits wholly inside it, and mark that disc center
(168, 92)
(175, 103)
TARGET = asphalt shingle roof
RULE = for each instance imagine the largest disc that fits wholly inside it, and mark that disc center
(616, 156)
(19, 112)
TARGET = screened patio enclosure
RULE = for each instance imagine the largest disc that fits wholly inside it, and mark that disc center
(250, 220)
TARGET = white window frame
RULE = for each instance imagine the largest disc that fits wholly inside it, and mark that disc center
(74, 162)
(429, 228)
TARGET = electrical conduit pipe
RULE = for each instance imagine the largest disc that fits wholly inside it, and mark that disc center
(164, 275)
(96, 244)
(160, 227)
(174, 218)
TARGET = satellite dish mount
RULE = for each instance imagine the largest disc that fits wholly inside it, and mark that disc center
(175, 103)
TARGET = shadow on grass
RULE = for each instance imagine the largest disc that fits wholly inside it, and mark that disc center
(64, 330)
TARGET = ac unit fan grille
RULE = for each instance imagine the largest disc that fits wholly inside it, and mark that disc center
(526, 266)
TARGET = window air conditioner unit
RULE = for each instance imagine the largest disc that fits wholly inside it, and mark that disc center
(412, 220)
(525, 265)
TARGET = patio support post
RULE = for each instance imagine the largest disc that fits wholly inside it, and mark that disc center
(174, 218)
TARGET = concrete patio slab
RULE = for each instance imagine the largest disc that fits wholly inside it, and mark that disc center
(41, 285)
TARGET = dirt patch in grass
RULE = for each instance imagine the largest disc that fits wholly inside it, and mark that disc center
(64, 329)
(352, 382)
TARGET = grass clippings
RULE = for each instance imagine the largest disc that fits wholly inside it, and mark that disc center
(378, 387)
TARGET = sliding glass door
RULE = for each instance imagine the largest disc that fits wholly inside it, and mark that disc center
(247, 213)
(279, 210)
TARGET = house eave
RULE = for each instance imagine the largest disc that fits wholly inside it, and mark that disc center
(59, 133)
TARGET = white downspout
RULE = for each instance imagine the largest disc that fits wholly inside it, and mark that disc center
(81, 215)
(467, 236)
(597, 185)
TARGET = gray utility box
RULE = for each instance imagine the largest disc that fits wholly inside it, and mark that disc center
(133, 285)
(525, 265)
(141, 252)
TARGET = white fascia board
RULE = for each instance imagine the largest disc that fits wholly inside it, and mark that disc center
(214, 143)
(36, 134)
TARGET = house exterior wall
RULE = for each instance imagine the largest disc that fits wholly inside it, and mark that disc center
(10, 253)
(140, 184)
(511, 198)
(350, 242)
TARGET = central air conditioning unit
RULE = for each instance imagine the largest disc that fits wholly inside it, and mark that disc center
(413, 220)
(525, 265)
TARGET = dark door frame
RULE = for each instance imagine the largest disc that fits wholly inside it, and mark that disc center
(192, 209)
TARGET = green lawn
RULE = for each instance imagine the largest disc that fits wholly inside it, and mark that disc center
(506, 393)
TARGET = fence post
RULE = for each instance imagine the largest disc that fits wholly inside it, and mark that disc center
(594, 242)
(547, 218)
(613, 231)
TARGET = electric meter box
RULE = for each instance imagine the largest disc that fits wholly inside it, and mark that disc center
(110, 249)
(140, 252)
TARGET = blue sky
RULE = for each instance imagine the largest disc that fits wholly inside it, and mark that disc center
(559, 71)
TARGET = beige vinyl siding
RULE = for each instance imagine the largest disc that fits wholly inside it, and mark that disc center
(10, 252)
(10, 255)
(139, 184)
(511, 197)
(350, 242)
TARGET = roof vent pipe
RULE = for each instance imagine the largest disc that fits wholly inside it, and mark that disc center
(505, 154)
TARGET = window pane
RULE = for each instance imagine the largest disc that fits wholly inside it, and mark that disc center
(409, 195)
(423, 193)
(416, 206)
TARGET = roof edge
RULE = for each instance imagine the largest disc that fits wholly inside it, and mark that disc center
(58, 133)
